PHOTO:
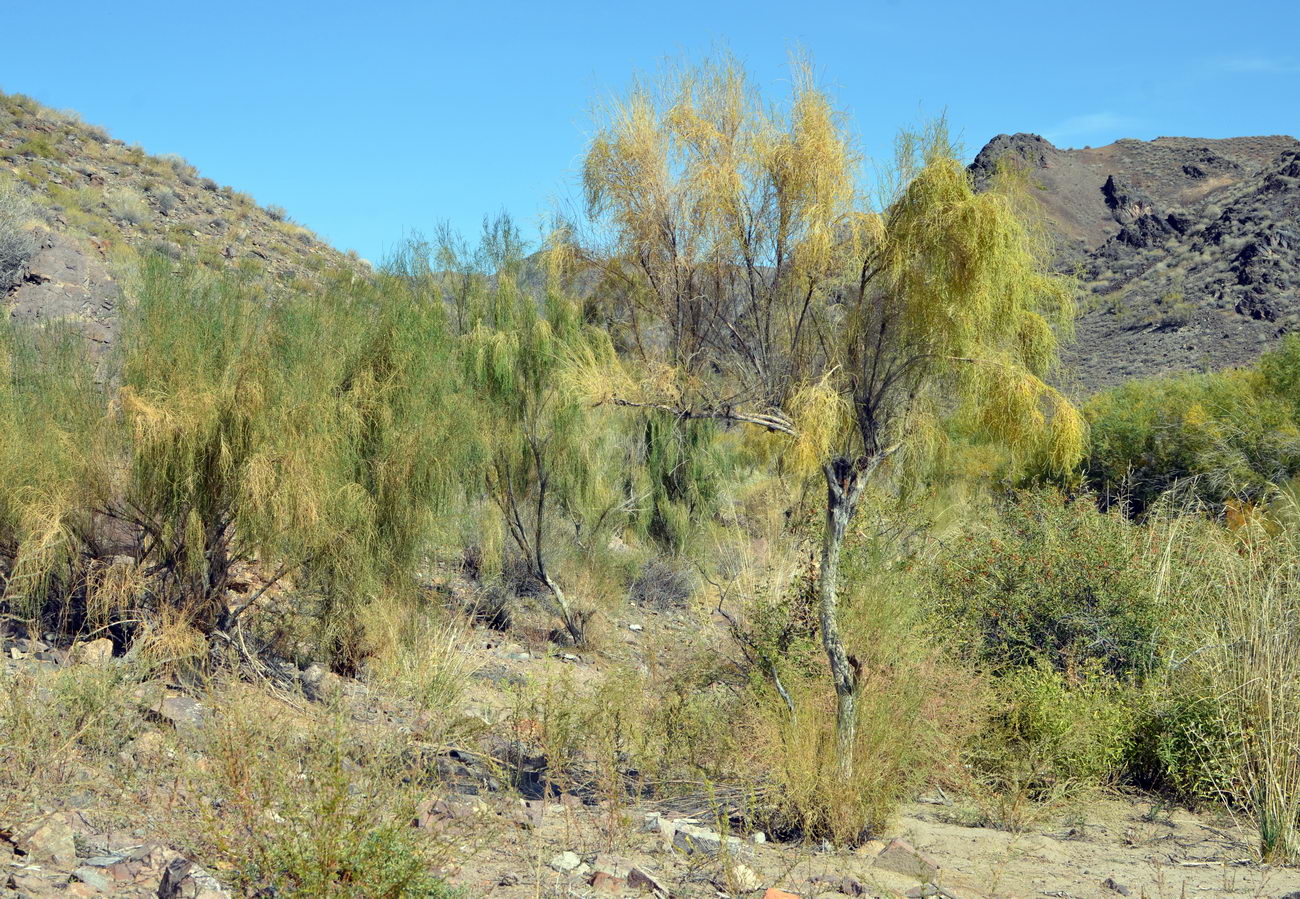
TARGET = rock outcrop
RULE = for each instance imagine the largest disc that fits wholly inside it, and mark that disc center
(1187, 250)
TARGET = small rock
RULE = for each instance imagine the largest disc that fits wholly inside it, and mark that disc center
(96, 652)
(743, 878)
(758, 837)
(636, 627)
(1110, 883)
(508, 880)
(566, 862)
(902, 857)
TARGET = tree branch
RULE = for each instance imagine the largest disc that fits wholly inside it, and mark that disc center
(777, 423)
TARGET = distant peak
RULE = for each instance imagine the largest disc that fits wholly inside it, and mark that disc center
(1032, 150)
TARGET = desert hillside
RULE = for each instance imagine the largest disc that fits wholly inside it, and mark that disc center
(97, 200)
(1186, 249)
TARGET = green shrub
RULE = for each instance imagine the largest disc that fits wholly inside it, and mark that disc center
(1181, 747)
(39, 145)
(1052, 581)
(1216, 437)
(1052, 735)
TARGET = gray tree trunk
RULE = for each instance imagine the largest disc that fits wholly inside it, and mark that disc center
(844, 483)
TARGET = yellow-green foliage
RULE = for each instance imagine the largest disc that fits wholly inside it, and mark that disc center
(707, 191)
(54, 460)
(306, 434)
(1217, 437)
(547, 457)
(743, 262)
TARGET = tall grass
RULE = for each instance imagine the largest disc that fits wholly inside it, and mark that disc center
(1251, 607)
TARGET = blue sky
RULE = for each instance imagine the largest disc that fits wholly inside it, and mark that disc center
(369, 120)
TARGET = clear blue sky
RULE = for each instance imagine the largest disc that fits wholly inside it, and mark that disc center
(366, 120)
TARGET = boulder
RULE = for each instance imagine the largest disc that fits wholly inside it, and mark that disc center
(49, 839)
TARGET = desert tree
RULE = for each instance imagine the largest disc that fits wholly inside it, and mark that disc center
(746, 273)
(303, 433)
(543, 455)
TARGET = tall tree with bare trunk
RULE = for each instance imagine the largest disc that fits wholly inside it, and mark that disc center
(749, 276)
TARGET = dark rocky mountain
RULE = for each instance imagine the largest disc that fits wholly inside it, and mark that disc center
(1187, 250)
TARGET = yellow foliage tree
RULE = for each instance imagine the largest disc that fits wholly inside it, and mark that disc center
(744, 268)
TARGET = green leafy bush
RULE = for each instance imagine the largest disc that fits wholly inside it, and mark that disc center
(1051, 734)
(1217, 437)
(1181, 746)
(1052, 581)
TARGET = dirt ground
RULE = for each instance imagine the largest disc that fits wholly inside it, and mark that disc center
(1108, 847)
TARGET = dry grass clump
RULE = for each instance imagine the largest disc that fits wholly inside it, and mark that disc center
(126, 205)
(17, 244)
(916, 707)
(419, 653)
(1251, 654)
(308, 805)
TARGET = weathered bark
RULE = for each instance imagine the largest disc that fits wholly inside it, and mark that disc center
(571, 623)
(844, 483)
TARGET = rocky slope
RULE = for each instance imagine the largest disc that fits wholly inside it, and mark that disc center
(1188, 250)
(86, 202)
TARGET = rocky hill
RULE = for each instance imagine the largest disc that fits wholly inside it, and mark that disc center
(1187, 250)
(75, 202)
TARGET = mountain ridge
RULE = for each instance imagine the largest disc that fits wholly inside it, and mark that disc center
(1185, 248)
